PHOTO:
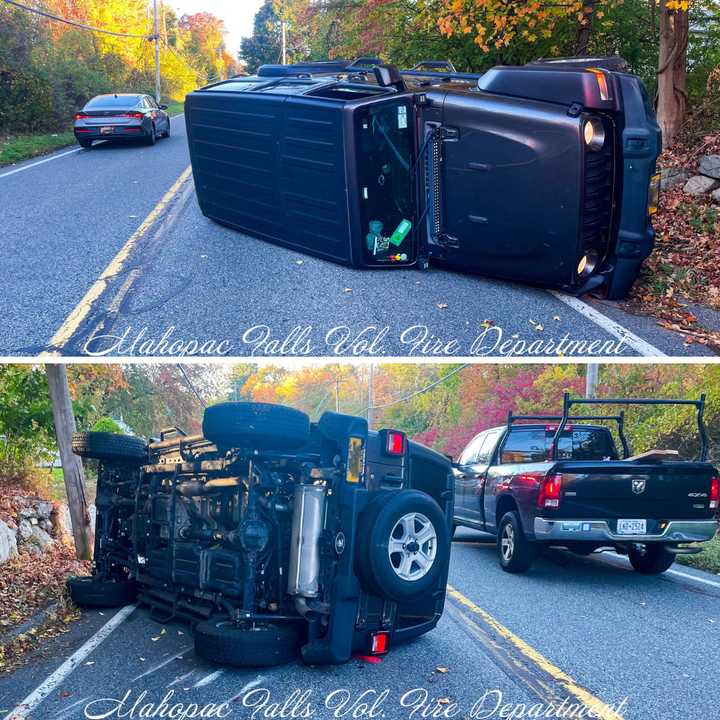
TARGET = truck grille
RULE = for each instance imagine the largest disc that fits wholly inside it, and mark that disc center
(597, 210)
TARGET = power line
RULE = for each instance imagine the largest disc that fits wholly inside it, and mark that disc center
(50, 16)
(191, 386)
(437, 382)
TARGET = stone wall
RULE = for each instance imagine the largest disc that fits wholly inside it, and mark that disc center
(36, 525)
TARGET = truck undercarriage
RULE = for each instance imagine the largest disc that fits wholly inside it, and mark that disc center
(272, 536)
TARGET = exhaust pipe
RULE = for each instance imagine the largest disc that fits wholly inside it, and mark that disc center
(304, 566)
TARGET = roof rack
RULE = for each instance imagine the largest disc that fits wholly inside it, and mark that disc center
(442, 65)
(699, 405)
(619, 419)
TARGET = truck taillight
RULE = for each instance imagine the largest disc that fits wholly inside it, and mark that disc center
(380, 643)
(550, 489)
(394, 442)
(714, 493)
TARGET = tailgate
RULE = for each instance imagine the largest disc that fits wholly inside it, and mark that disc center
(663, 490)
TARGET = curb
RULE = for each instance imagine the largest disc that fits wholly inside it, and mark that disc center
(36, 621)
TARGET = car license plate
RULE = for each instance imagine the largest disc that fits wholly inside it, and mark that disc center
(632, 527)
(107, 130)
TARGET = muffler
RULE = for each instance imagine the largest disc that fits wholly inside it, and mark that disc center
(304, 566)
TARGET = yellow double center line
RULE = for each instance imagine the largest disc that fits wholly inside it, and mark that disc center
(599, 708)
(81, 311)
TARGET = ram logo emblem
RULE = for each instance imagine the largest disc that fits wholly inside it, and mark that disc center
(638, 485)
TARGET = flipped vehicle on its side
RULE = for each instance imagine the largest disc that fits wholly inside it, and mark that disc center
(272, 536)
(547, 481)
(543, 173)
(121, 116)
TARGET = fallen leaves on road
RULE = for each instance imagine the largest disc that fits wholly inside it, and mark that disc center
(685, 265)
(442, 306)
(441, 669)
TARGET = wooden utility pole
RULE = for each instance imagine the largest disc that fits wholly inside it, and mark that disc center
(591, 379)
(371, 397)
(156, 34)
(71, 463)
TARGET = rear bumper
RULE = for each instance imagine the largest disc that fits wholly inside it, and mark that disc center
(599, 531)
(120, 133)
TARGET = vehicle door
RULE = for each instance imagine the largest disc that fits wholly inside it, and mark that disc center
(472, 473)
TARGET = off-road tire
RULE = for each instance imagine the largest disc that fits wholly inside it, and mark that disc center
(108, 446)
(375, 566)
(222, 642)
(521, 553)
(260, 426)
(87, 144)
(94, 592)
(656, 559)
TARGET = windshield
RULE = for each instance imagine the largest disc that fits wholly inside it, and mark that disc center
(526, 445)
(112, 101)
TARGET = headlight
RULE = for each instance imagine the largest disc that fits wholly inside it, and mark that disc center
(587, 264)
(654, 194)
(594, 134)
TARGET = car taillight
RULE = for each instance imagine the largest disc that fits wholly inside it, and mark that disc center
(380, 643)
(136, 115)
(714, 493)
(550, 489)
(394, 442)
(80, 116)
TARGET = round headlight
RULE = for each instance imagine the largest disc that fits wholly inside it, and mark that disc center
(594, 134)
(587, 264)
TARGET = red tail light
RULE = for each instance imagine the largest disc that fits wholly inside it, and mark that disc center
(80, 116)
(550, 490)
(714, 493)
(136, 115)
(380, 643)
(394, 442)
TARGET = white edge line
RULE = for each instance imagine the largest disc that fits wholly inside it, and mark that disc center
(40, 162)
(610, 326)
(55, 157)
(622, 561)
(44, 689)
(693, 577)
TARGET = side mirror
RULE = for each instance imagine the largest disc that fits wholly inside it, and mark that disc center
(389, 76)
(163, 107)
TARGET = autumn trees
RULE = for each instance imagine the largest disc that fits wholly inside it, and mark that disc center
(660, 39)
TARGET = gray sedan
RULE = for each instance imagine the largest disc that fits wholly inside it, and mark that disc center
(121, 116)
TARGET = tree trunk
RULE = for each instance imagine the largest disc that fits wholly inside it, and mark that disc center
(584, 29)
(672, 98)
(71, 463)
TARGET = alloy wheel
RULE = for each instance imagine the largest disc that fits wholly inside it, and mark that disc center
(413, 546)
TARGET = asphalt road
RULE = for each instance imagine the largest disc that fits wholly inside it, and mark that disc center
(572, 628)
(91, 265)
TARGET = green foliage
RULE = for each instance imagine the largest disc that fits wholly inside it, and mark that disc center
(263, 47)
(20, 147)
(106, 424)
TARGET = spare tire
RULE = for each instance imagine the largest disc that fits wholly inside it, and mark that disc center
(403, 545)
(260, 645)
(260, 426)
(96, 592)
(108, 446)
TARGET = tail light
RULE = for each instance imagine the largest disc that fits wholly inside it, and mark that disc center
(394, 442)
(80, 116)
(380, 643)
(550, 489)
(136, 115)
(714, 493)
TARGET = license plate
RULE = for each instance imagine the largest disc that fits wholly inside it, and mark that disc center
(107, 130)
(632, 527)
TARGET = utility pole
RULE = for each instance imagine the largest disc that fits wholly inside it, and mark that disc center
(591, 379)
(156, 33)
(71, 463)
(370, 397)
(284, 41)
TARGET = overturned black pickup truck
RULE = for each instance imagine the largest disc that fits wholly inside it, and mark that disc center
(545, 481)
(273, 537)
(543, 173)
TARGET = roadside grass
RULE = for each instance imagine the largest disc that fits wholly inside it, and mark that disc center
(15, 148)
(708, 559)
(175, 107)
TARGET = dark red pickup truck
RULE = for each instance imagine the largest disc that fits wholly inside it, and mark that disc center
(544, 481)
